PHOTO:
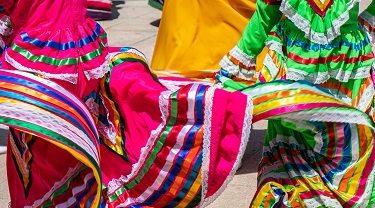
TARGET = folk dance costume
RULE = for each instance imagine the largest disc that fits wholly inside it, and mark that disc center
(326, 43)
(91, 126)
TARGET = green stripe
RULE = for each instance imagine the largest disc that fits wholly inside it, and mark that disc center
(44, 59)
(155, 151)
(62, 189)
(58, 62)
(51, 134)
(122, 120)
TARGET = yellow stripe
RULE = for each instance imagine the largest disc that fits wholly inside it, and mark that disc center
(262, 107)
(192, 192)
(128, 55)
(116, 119)
(41, 96)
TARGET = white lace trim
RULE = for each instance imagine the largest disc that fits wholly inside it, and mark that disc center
(325, 115)
(366, 16)
(2, 44)
(275, 46)
(52, 122)
(72, 78)
(305, 25)
(321, 77)
(206, 143)
(366, 99)
(100, 71)
(5, 30)
(245, 59)
(56, 186)
(236, 70)
(109, 132)
(246, 129)
(115, 184)
(271, 66)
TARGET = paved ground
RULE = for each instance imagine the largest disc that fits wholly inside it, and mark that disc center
(136, 24)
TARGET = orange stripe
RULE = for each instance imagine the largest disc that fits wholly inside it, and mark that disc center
(365, 23)
(283, 94)
(239, 63)
(35, 94)
(185, 167)
(362, 89)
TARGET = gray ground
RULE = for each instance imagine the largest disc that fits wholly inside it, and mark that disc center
(135, 24)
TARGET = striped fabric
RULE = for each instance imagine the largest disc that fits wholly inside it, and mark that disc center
(99, 9)
(318, 150)
(180, 148)
(60, 120)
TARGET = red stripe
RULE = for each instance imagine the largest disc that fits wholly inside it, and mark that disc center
(273, 33)
(292, 109)
(76, 182)
(272, 2)
(150, 177)
(317, 9)
(332, 58)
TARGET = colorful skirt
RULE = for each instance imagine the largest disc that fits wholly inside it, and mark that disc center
(307, 162)
(135, 142)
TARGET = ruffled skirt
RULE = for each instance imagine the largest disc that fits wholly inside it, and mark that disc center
(134, 142)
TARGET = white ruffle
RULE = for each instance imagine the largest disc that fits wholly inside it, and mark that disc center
(72, 78)
(305, 25)
(115, 184)
(100, 71)
(370, 19)
(236, 70)
(321, 77)
(5, 28)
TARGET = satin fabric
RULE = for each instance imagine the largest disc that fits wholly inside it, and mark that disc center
(194, 35)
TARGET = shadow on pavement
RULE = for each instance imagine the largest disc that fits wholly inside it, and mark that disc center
(253, 153)
(115, 7)
(155, 23)
(3, 136)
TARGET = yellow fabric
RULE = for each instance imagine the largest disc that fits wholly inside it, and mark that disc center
(195, 35)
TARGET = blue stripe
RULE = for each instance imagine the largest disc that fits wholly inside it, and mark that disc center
(346, 154)
(182, 155)
(62, 46)
(189, 182)
(83, 194)
(52, 93)
(22, 98)
(317, 47)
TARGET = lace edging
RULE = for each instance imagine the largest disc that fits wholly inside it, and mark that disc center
(5, 26)
(236, 70)
(72, 78)
(305, 25)
(246, 129)
(241, 56)
(370, 19)
(56, 186)
(114, 184)
(100, 71)
(321, 77)
(108, 132)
